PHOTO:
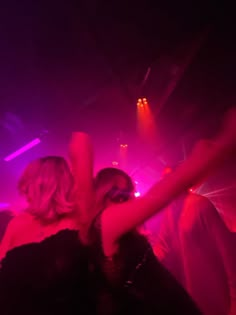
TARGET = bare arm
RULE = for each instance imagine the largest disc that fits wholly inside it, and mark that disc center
(119, 219)
(81, 157)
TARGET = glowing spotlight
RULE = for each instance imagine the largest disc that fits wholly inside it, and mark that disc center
(142, 102)
(23, 149)
(146, 121)
(123, 155)
(137, 194)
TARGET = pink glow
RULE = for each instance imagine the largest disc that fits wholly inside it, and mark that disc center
(4, 205)
(23, 149)
(137, 194)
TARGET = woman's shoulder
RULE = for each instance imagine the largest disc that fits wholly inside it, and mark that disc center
(22, 218)
(20, 221)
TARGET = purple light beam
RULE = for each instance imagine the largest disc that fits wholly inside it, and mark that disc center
(23, 149)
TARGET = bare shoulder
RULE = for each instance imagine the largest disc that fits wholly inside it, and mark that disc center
(199, 201)
(20, 220)
(197, 211)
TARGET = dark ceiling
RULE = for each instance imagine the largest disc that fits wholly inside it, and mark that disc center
(68, 65)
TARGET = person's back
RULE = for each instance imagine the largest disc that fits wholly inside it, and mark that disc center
(47, 184)
(206, 256)
(186, 244)
(49, 277)
(25, 228)
(165, 239)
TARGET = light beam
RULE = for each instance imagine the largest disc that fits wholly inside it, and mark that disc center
(23, 149)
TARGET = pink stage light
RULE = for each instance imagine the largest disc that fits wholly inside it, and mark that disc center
(137, 194)
(23, 149)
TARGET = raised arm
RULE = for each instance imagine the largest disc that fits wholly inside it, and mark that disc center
(206, 157)
(81, 158)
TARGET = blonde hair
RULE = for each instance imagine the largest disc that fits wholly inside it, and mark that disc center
(47, 184)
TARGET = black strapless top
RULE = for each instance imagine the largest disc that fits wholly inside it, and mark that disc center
(46, 278)
(134, 281)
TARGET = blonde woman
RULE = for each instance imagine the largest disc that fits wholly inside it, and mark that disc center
(45, 269)
(49, 188)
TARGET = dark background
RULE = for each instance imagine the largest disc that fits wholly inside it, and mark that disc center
(80, 66)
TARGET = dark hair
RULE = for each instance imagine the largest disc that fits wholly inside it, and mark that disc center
(112, 184)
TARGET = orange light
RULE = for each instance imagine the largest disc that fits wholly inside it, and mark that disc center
(146, 121)
(142, 102)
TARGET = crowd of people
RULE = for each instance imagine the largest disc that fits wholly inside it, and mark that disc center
(77, 246)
